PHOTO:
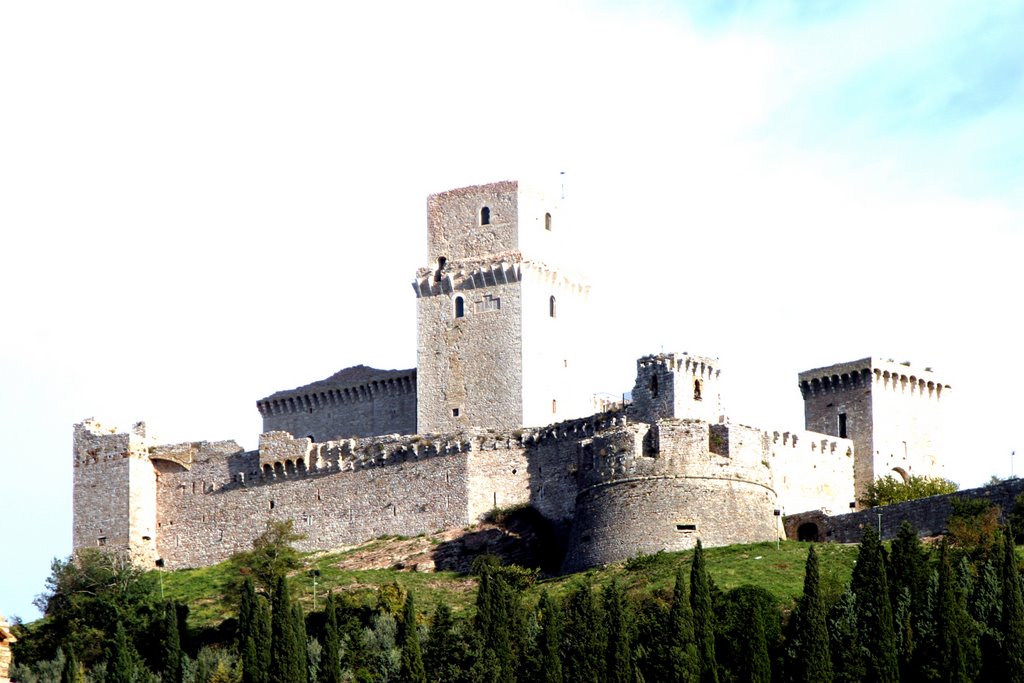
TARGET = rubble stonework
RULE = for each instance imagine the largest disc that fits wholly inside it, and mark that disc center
(493, 417)
(6, 639)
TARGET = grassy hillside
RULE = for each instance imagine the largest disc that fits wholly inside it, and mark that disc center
(779, 570)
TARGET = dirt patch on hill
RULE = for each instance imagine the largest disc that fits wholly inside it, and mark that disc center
(519, 537)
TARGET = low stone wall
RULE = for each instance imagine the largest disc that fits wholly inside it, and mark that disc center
(927, 515)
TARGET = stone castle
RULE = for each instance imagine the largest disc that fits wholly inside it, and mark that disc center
(494, 415)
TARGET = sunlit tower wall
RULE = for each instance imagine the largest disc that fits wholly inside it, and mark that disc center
(114, 492)
(499, 322)
(677, 385)
(895, 414)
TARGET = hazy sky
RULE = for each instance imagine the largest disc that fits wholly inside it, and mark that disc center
(204, 202)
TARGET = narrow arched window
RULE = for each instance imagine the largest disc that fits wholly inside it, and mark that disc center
(696, 390)
(460, 307)
(547, 221)
(654, 385)
(485, 216)
(551, 307)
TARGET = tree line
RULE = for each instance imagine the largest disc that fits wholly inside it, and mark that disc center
(950, 611)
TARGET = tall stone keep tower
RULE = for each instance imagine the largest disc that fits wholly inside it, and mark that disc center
(895, 416)
(498, 321)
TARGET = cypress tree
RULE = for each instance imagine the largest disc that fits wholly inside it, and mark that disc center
(754, 665)
(253, 635)
(550, 639)
(874, 611)
(262, 638)
(444, 654)
(813, 659)
(287, 660)
(301, 664)
(330, 659)
(985, 607)
(950, 624)
(703, 616)
(171, 670)
(72, 671)
(500, 623)
(618, 626)
(844, 640)
(683, 662)
(1013, 615)
(582, 639)
(412, 670)
(121, 660)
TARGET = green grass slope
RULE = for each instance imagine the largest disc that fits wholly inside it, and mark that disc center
(779, 570)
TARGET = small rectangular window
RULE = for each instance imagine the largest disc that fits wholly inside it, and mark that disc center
(456, 412)
(102, 540)
(686, 527)
(842, 425)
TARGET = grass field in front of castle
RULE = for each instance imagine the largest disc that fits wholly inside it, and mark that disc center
(778, 569)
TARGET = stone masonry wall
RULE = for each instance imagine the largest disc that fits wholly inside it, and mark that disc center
(893, 413)
(470, 367)
(383, 404)
(352, 491)
(645, 489)
(927, 515)
(811, 470)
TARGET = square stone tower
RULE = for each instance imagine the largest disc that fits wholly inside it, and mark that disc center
(114, 491)
(498, 323)
(894, 414)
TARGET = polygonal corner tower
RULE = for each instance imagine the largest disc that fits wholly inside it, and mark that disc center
(498, 323)
(894, 414)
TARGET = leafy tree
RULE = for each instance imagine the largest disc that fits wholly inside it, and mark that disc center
(873, 609)
(703, 616)
(550, 639)
(583, 642)
(86, 596)
(813, 660)
(1013, 615)
(272, 555)
(889, 489)
(973, 526)
(618, 626)
(287, 656)
(1015, 520)
(409, 642)
(121, 660)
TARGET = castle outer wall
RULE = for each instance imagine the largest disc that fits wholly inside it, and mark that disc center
(612, 487)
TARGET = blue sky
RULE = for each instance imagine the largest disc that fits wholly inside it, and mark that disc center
(205, 203)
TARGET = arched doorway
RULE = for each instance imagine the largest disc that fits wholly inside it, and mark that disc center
(808, 531)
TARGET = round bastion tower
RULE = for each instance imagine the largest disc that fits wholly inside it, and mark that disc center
(675, 472)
